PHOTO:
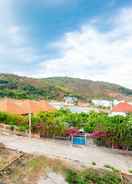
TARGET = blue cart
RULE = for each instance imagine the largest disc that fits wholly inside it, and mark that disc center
(79, 140)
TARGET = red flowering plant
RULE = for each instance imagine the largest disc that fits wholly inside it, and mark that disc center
(37, 128)
(99, 134)
(39, 125)
(72, 132)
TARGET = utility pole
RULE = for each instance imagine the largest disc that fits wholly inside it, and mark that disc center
(30, 124)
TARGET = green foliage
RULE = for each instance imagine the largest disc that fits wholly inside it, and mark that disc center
(14, 120)
(91, 176)
(118, 127)
(51, 124)
(23, 128)
(130, 171)
(111, 168)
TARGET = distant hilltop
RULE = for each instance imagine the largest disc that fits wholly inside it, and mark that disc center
(56, 88)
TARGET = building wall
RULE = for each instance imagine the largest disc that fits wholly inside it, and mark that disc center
(104, 103)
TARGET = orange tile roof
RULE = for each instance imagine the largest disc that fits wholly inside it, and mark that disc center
(32, 106)
(9, 106)
(25, 106)
(122, 107)
(45, 105)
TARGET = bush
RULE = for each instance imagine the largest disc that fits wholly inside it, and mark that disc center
(91, 176)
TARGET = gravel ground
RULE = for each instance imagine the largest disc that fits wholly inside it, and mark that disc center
(82, 155)
(52, 178)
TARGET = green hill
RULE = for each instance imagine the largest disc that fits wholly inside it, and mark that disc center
(57, 87)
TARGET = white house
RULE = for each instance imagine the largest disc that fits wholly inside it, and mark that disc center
(70, 100)
(103, 103)
(57, 105)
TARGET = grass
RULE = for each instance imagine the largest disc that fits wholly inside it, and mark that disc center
(130, 171)
(111, 168)
(93, 163)
(31, 168)
(93, 176)
(6, 156)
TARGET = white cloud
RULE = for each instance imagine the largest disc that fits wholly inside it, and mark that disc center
(16, 50)
(14, 46)
(92, 54)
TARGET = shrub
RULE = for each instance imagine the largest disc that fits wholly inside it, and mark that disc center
(91, 176)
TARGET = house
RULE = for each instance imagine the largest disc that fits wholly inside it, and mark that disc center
(70, 100)
(10, 106)
(57, 105)
(123, 108)
(83, 104)
(102, 103)
(77, 109)
(23, 107)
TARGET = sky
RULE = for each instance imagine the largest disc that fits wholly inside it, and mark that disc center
(75, 38)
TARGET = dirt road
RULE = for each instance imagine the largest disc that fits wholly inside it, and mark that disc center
(83, 155)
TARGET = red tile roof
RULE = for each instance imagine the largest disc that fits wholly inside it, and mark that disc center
(32, 106)
(122, 107)
(9, 106)
(24, 106)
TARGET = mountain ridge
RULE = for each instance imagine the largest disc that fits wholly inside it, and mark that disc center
(56, 88)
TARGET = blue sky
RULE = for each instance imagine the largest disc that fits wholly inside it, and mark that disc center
(76, 38)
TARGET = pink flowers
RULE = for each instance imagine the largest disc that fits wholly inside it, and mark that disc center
(72, 132)
(99, 134)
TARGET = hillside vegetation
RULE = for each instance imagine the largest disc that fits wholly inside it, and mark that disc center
(57, 87)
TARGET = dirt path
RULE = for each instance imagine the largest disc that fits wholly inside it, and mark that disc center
(83, 155)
